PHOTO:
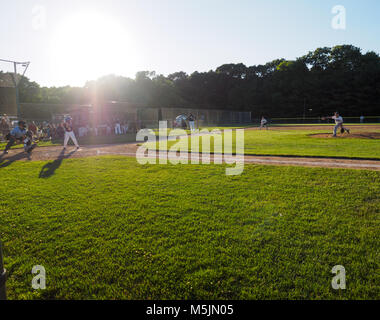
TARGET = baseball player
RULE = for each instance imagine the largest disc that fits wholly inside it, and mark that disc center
(264, 123)
(21, 135)
(191, 120)
(69, 132)
(338, 124)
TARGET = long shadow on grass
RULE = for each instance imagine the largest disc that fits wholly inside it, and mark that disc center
(9, 160)
(49, 169)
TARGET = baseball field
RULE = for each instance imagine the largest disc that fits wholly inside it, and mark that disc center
(106, 227)
(306, 141)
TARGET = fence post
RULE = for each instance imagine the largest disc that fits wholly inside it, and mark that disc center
(3, 276)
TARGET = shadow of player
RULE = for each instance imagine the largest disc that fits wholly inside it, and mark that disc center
(49, 169)
(9, 160)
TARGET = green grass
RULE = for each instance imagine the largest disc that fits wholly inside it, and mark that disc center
(108, 228)
(298, 143)
(320, 124)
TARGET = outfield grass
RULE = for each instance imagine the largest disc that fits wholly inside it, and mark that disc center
(320, 124)
(301, 143)
(107, 227)
(296, 143)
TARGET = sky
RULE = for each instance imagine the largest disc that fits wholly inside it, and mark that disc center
(71, 41)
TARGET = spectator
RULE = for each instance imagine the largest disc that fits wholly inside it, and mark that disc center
(60, 131)
(183, 124)
(108, 130)
(117, 127)
(4, 128)
(54, 129)
(124, 127)
(82, 131)
(48, 131)
(6, 119)
(32, 128)
(40, 132)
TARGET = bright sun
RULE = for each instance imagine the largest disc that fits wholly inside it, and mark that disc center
(89, 45)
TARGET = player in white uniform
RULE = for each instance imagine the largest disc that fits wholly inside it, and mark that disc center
(264, 123)
(69, 132)
(191, 120)
(338, 124)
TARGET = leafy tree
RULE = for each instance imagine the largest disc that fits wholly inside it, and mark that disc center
(327, 79)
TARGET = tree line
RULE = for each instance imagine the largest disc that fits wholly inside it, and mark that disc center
(322, 81)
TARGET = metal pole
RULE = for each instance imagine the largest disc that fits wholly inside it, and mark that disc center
(3, 276)
(18, 103)
(17, 91)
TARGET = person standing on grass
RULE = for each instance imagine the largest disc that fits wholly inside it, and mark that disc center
(264, 123)
(69, 132)
(338, 124)
(191, 122)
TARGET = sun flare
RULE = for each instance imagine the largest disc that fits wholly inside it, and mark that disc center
(89, 45)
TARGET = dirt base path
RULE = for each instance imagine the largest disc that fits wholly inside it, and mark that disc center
(129, 150)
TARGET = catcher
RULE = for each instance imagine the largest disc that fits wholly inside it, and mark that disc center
(20, 135)
(338, 124)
